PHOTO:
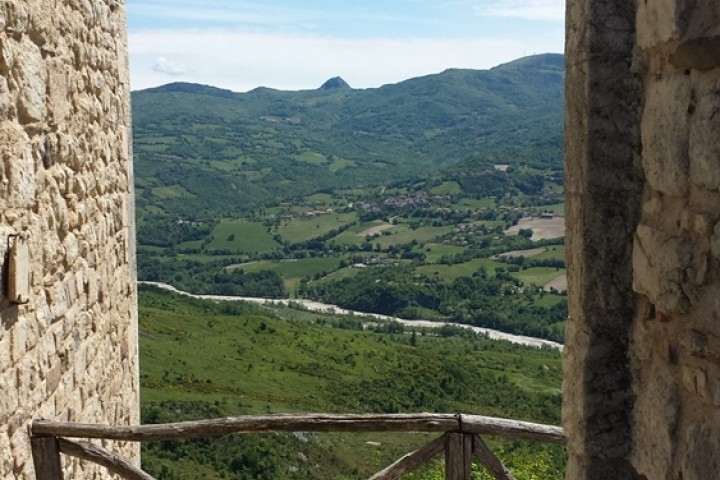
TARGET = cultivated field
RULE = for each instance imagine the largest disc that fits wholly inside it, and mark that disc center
(543, 228)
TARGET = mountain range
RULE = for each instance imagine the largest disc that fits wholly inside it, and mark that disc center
(205, 151)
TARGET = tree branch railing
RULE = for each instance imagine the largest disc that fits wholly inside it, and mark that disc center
(460, 439)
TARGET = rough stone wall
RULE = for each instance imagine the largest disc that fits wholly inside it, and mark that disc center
(642, 364)
(69, 354)
(675, 351)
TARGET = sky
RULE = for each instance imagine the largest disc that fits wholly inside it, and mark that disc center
(299, 44)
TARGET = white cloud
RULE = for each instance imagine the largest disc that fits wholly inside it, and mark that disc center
(525, 9)
(169, 67)
(241, 61)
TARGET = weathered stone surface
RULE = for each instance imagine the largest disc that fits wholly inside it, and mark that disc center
(17, 183)
(657, 22)
(704, 128)
(668, 332)
(716, 241)
(697, 54)
(665, 134)
(63, 87)
(659, 263)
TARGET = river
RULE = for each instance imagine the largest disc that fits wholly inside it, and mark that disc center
(324, 307)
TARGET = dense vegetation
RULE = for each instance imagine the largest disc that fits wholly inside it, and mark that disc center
(480, 300)
(410, 200)
(202, 359)
(202, 151)
(286, 194)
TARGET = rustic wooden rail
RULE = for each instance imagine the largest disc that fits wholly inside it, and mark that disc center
(460, 439)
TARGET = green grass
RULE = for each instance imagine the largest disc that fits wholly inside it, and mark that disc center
(538, 275)
(451, 272)
(292, 271)
(347, 272)
(352, 236)
(547, 300)
(339, 163)
(173, 191)
(241, 236)
(204, 359)
(313, 158)
(404, 234)
(303, 229)
(199, 257)
(447, 188)
(225, 166)
(557, 209)
(555, 252)
(435, 251)
(192, 351)
(476, 203)
(321, 198)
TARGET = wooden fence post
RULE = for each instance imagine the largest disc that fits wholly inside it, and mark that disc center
(490, 461)
(46, 458)
(458, 456)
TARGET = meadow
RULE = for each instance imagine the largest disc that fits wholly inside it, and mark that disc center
(241, 236)
(292, 271)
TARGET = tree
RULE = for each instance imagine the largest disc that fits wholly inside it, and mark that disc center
(526, 232)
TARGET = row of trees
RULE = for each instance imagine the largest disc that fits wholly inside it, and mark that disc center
(496, 301)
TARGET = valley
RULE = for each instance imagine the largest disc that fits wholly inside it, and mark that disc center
(435, 205)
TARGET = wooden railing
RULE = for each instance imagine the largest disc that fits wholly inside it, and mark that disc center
(460, 439)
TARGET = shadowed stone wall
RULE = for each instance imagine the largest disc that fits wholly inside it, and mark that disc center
(642, 358)
(70, 353)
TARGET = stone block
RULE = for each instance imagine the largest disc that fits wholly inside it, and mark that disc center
(704, 157)
(54, 375)
(58, 300)
(663, 21)
(17, 181)
(715, 242)
(697, 54)
(656, 22)
(9, 400)
(19, 333)
(20, 443)
(665, 156)
(29, 69)
(702, 458)
(654, 435)
(695, 381)
(5, 357)
(72, 249)
(5, 460)
(59, 102)
(6, 107)
(659, 263)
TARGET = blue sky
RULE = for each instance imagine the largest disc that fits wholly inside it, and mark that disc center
(291, 45)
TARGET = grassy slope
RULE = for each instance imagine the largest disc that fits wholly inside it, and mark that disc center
(203, 362)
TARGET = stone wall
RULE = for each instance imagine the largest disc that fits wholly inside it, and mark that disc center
(70, 353)
(642, 364)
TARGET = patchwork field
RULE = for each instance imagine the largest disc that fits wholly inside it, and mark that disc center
(303, 229)
(242, 236)
(292, 271)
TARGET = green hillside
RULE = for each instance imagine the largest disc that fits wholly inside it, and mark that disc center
(201, 359)
(202, 151)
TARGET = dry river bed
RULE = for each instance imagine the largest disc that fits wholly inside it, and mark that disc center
(324, 307)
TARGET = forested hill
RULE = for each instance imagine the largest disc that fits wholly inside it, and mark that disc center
(200, 149)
